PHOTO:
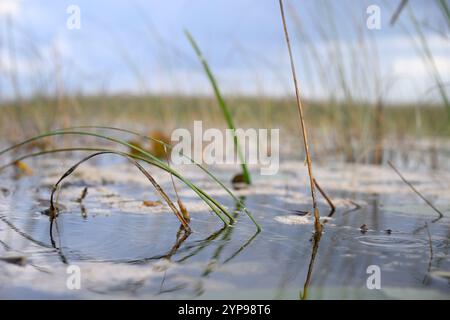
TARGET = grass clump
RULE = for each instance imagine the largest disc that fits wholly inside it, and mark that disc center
(138, 154)
(53, 208)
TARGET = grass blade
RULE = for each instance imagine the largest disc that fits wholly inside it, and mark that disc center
(317, 224)
(212, 176)
(222, 104)
(409, 184)
(135, 163)
(213, 204)
(205, 197)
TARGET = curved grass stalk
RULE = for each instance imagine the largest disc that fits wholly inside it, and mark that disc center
(157, 187)
(220, 183)
(154, 160)
(205, 197)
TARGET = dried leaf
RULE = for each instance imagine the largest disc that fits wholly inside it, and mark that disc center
(184, 211)
(23, 168)
(158, 149)
(149, 203)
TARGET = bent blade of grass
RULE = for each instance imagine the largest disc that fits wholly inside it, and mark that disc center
(135, 163)
(414, 189)
(202, 194)
(212, 176)
(222, 104)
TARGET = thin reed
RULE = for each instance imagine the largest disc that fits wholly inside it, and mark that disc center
(304, 133)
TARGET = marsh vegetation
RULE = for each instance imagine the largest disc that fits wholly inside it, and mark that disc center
(88, 179)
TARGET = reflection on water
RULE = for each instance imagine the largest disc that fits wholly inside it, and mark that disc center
(132, 251)
(315, 240)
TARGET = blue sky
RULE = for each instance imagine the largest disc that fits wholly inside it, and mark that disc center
(139, 47)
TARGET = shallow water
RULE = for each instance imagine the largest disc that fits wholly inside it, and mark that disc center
(127, 250)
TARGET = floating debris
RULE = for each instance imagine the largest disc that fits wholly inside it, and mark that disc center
(4, 191)
(149, 203)
(17, 260)
(364, 228)
(23, 168)
(238, 182)
(300, 212)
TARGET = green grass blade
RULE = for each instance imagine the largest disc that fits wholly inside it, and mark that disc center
(222, 104)
(205, 197)
(154, 160)
(220, 183)
(133, 161)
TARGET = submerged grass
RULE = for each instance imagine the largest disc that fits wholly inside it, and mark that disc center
(222, 104)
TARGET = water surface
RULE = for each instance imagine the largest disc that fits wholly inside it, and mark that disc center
(127, 250)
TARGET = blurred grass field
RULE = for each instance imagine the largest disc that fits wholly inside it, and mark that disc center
(354, 138)
(169, 112)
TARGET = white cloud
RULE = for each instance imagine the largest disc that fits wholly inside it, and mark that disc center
(9, 8)
(417, 67)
